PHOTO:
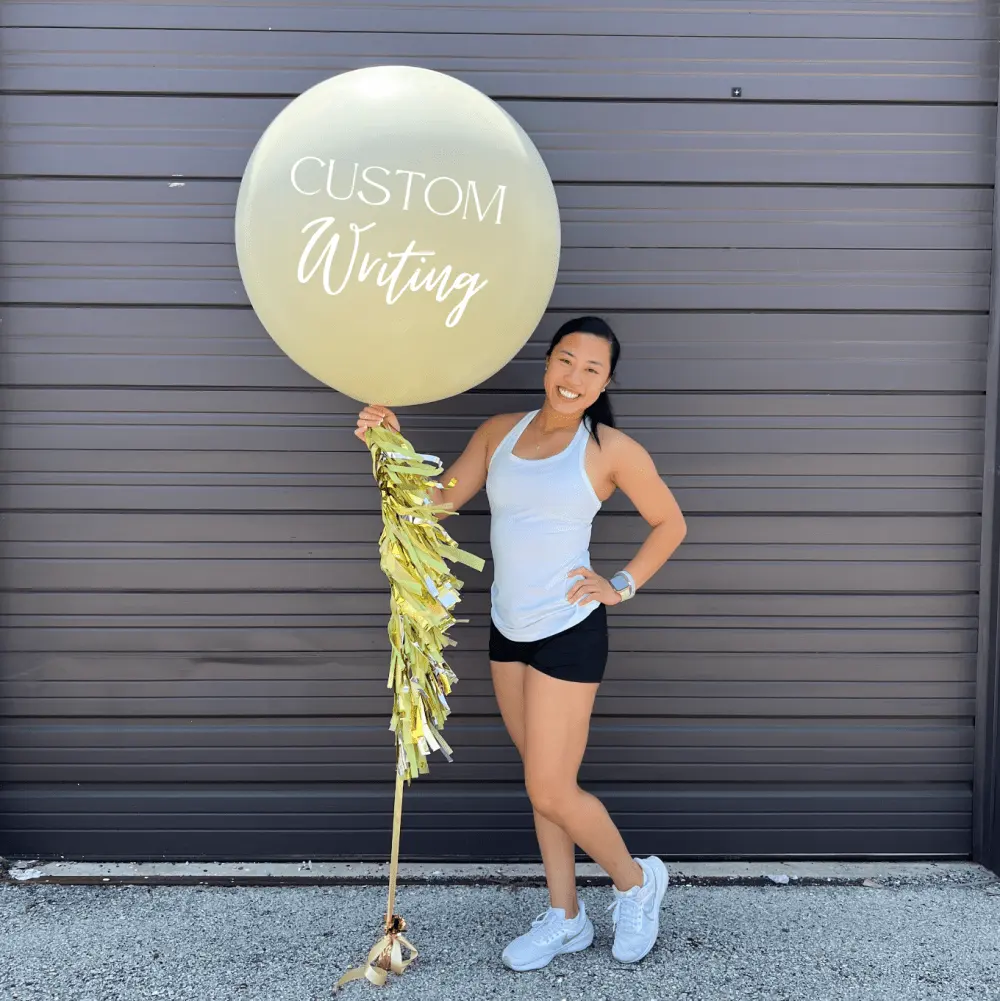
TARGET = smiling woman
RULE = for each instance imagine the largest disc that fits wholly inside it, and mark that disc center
(576, 362)
(547, 473)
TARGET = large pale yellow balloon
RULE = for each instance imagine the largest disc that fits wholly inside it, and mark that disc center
(398, 234)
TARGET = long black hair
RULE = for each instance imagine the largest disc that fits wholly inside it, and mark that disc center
(599, 412)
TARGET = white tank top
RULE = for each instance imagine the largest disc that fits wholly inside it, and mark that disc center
(541, 515)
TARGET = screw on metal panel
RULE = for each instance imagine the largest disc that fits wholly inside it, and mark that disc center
(737, 92)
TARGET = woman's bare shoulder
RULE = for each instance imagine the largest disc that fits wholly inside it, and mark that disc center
(500, 424)
(618, 446)
(494, 429)
(615, 437)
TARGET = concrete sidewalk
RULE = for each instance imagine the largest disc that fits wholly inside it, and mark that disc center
(913, 934)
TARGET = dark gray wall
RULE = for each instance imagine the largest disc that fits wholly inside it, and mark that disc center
(194, 642)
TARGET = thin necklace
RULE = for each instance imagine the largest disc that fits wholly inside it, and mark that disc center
(537, 431)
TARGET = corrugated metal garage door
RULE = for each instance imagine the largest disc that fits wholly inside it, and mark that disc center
(194, 642)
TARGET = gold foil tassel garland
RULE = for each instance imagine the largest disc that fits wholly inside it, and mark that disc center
(413, 549)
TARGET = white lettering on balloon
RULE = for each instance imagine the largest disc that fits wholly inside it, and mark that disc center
(442, 282)
(374, 184)
(473, 191)
(295, 183)
(400, 271)
(458, 191)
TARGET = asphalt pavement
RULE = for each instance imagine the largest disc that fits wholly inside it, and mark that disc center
(931, 938)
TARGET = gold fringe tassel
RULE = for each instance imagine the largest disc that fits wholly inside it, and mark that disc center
(413, 548)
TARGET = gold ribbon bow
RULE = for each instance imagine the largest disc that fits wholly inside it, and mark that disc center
(386, 956)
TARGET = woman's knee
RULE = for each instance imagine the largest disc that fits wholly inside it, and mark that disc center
(552, 797)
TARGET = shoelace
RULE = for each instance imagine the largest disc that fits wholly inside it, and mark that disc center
(546, 927)
(627, 912)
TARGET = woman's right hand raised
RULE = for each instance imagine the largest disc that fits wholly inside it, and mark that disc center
(373, 416)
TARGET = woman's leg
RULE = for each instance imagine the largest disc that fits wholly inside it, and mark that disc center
(555, 844)
(556, 726)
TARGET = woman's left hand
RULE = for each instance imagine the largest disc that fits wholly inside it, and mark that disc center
(593, 587)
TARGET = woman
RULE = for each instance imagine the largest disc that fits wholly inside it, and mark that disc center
(546, 474)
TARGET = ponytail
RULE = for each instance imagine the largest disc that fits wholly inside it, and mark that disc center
(599, 412)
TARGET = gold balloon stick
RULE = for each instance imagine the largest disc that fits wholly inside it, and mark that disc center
(413, 548)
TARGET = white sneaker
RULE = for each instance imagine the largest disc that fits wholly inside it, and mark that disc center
(549, 935)
(637, 912)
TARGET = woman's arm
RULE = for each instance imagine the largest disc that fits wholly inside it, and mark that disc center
(467, 473)
(634, 472)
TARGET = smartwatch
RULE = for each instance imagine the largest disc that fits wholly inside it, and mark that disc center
(624, 583)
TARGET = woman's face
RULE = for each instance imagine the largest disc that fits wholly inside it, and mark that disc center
(576, 372)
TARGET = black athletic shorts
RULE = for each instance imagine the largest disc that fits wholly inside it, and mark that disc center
(579, 653)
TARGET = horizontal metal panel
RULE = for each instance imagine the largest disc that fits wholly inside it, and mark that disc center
(710, 738)
(319, 406)
(76, 686)
(644, 816)
(601, 550)
(320, 667)
(500, 764)
(160, 456)
(243, 802)
(762, 371)
(59, 210)
(606, 142)
(233, 432)
(132, 527)
(40, 837)
(623, 697)
(336, 636)
(318, 480)
(662, 352)
(334, 821)
(589, 278)
(288, 62)
(921, 610)
(97, 751)
(240, 670)
(67, 496)
(937, 19)
(346, 574)
(493, 767)
(664, 703)
(699, 436)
